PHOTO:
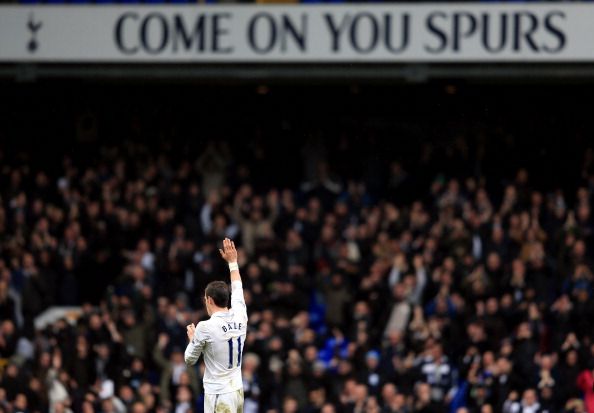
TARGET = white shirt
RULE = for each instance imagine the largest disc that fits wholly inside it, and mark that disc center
(221, 339)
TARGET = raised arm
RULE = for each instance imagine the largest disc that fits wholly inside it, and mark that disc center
(229, 254)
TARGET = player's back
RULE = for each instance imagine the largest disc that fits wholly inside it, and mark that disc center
(221, 339)
(226, 332)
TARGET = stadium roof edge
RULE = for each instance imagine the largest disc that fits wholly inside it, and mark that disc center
(411, 73)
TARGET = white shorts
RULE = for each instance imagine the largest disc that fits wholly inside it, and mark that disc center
(224, 403)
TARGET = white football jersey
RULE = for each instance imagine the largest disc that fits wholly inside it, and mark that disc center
(221, 339)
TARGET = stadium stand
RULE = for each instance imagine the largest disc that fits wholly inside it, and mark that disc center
(441, 265)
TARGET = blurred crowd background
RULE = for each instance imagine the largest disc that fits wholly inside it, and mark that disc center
(432, 255)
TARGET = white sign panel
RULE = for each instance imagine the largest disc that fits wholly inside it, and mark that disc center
(299, 33)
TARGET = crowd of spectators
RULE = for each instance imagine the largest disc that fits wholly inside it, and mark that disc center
(358, 301)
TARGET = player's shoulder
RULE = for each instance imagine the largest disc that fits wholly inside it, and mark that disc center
(239, 315)
(204, 326)
(206, 323)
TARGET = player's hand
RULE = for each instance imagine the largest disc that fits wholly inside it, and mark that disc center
(229, 253)
(190, 329)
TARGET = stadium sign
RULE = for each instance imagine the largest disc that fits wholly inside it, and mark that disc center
(298, 33)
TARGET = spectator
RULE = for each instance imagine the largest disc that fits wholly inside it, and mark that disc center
(585, 383)
(174, 372)
(437, 293)
(528, 403)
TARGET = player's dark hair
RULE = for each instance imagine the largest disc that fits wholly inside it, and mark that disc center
(219, 292)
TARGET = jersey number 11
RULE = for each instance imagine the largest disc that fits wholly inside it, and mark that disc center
(231, 352)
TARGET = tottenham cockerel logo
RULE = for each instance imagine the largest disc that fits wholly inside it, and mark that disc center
(33, 27)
